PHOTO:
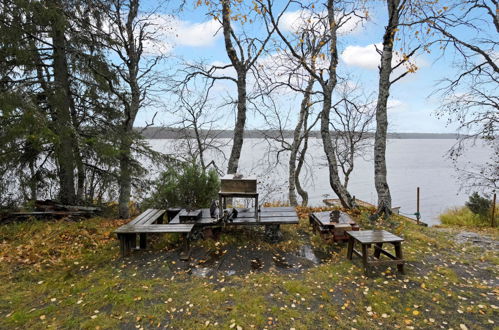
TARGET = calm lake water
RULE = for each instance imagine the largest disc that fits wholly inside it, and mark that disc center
(411, 163)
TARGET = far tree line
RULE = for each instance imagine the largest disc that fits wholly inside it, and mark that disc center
(75, 74)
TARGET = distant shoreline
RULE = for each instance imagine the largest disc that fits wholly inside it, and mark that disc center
(177, 133)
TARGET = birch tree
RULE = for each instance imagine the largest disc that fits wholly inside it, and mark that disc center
(243, 51)
(396, 10)
(329, 22)
(130, 31)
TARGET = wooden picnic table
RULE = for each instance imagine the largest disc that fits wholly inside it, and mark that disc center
(366, 238)
(321, 222)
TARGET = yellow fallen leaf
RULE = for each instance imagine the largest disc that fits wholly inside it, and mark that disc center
(416, 313)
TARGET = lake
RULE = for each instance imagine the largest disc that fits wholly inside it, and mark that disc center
(411, 163)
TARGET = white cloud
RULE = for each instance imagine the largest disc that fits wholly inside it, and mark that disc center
(294, 21)
(196, 34)
(367, 57)
(362, 56)
(395, 105)
(167, 32)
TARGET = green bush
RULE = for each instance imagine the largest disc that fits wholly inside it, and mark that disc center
(478, 205)
(463, 217)
(185, 185)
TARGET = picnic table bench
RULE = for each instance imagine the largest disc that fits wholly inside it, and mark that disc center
(321, 222)
(366, 238)
(151, 221)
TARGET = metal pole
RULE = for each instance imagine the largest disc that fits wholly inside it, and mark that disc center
(417, 207)
(493, 220)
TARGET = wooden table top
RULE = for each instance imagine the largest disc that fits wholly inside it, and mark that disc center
(325, 219)
(374, 236)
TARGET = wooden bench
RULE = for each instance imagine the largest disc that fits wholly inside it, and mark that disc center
(366, 238)
(321, 222)
(150, 221)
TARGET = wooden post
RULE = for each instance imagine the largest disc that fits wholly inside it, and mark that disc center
(493, 220)
(417, 207)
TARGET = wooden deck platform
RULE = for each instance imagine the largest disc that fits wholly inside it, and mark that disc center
(151, 221)
(246, 216)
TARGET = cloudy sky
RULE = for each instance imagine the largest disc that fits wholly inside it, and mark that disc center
(193, 36)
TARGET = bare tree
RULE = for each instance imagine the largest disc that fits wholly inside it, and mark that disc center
(352, 126)
(198, 117)
(469, 31)
(324, 27)
(243, 51)
(130, 31)
(398, 11)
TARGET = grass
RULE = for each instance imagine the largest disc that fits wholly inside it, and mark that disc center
(463, 217)
(64, 274)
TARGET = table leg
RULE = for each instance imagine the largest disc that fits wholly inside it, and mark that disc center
(186, 247)
(143, 241)
(220, 206)
(377, 250)
(127, 242)
(256, 207)
(122, 239)
(351, 243)
(364, 258)
(399, 255)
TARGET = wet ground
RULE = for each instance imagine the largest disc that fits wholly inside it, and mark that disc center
(218, 259)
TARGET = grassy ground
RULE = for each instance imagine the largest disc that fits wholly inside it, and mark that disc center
(463, 217)
(69, 274)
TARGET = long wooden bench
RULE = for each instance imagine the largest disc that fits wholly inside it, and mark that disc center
(150, 221)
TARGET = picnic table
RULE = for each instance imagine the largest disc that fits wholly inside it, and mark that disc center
(366, 238)
(336, 228)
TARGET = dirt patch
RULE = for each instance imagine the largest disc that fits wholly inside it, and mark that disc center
(229, 260)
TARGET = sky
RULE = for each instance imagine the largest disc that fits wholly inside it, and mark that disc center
(192, 36)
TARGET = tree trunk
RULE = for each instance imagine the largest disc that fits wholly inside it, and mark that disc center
(380, 179)
(334, 177)
(295, 146)
(125, 178)
(241, 71)
(237, 145)
(61, 103)
(301, 160)
(131, 109)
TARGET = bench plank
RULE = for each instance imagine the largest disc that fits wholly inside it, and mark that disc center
(166, 228)
(141, 216)
(153, 217)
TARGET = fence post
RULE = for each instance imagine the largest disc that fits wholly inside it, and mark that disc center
(418, 215)
(493, 219)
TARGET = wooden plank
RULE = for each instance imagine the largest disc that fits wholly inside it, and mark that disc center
(229, 183)
(374, 236)
(325, 220)
(166, 228)
(278, 208)
(277, 220)
(153, 217)
(141, 216)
